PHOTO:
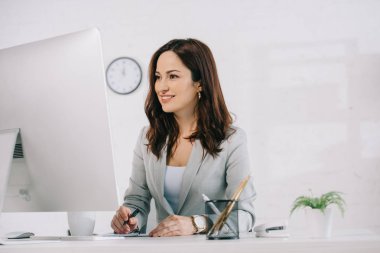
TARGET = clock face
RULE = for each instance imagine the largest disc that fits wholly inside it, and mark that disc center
(123, 75)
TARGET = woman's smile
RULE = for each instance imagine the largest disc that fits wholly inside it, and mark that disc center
(166, 98)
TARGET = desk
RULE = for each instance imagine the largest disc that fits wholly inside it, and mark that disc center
(189, 244)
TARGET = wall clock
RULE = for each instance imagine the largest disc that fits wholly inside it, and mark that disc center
(123, 75)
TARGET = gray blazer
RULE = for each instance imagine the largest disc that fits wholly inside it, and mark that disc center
(216, 177)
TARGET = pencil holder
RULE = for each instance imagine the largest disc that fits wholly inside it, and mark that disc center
(224, 216)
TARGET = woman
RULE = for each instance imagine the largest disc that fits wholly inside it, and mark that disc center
(189, 149)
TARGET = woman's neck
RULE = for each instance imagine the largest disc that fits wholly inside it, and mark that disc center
(187, 125)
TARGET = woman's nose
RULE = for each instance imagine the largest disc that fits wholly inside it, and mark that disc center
(161, 85)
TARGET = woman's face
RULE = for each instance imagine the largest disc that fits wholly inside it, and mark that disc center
(175, 89)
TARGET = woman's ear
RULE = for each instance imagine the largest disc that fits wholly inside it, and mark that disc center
(199, 86)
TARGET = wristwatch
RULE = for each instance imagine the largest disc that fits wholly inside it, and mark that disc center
(199, 222)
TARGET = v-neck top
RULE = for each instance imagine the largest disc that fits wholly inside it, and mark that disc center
(172, 185)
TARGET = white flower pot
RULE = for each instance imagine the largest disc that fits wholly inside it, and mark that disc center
(319, 224)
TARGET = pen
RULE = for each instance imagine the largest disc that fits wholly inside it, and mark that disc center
(135, 212)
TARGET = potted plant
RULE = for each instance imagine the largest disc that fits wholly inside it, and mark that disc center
(318, 211)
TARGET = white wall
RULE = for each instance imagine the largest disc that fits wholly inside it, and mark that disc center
(301, 76)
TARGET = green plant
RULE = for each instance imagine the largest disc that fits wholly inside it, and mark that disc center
(320, 203)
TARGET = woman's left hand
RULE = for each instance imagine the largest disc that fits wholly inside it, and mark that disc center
(174, 225)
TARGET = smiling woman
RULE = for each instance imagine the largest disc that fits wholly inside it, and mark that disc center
(190, 147)
(176, 90)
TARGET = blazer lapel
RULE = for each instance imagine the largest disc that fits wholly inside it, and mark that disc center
(193, 165)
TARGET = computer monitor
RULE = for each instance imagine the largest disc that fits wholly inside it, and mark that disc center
(53, 92)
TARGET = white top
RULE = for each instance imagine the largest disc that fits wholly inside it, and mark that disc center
(172, 186)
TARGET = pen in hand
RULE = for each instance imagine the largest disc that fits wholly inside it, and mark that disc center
(132, 215)
(136, 230)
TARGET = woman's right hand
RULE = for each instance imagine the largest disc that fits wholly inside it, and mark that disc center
(122, 223)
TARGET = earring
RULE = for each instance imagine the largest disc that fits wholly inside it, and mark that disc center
(199, 95)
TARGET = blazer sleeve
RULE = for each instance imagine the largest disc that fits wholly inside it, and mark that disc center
(237, 168)
(137, 195)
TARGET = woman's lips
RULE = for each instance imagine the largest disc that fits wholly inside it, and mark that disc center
(166, 98)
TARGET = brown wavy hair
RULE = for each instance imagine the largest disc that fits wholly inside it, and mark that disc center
(214, 121)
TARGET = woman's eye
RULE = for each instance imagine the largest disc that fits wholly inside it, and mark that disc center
(173, 76)
(157, 77)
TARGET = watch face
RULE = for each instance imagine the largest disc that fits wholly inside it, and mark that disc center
(200, 222)
(123, 75)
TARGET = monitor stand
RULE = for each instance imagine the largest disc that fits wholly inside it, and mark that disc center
(8, 150)
(8, 140)
(81, 223)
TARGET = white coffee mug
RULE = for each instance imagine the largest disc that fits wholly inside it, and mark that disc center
(81, 223)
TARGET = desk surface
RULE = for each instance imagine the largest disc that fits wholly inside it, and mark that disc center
(189, 244)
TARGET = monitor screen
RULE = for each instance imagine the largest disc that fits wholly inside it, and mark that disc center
(54, 92)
